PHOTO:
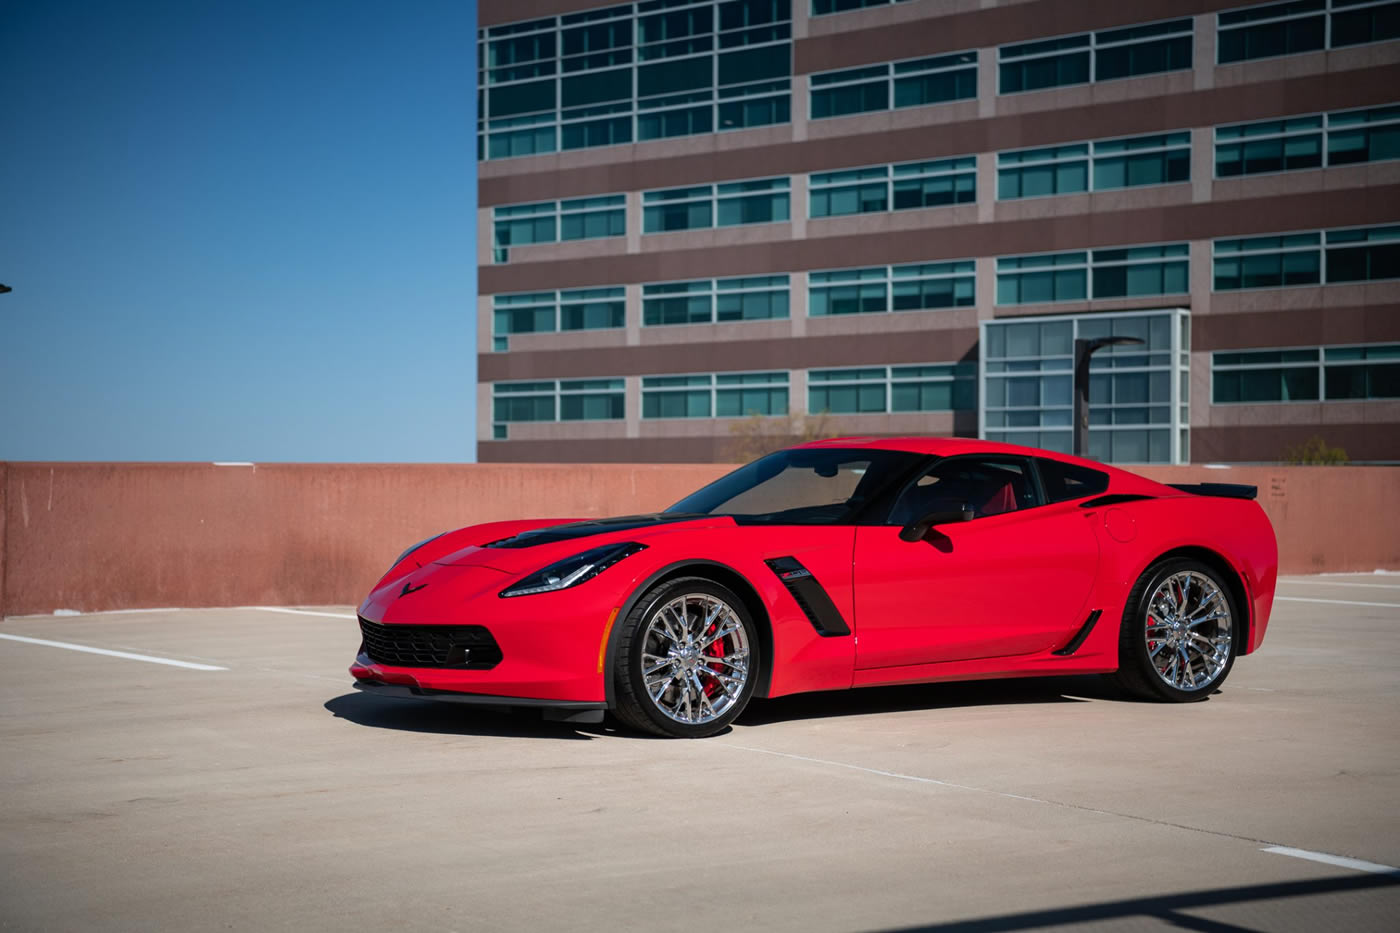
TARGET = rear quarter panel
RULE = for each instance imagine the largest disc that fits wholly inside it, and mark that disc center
(1135, 535)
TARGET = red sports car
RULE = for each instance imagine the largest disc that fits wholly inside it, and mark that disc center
(835, 564)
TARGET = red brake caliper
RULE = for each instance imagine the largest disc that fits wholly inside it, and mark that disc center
(716, 650)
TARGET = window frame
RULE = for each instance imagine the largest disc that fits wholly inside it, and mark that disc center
(1028, 470)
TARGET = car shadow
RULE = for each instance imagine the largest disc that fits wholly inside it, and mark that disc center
(906, 697)
(439, 718)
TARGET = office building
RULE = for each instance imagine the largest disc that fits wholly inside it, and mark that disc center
(886, 218)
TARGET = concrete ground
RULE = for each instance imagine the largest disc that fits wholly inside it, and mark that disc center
(271, 796)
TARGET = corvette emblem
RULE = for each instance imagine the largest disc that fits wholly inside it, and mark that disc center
(410, 588)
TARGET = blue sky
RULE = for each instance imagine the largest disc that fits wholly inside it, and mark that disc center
(237, 230)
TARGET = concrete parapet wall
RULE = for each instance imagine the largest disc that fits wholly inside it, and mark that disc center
(95, 536)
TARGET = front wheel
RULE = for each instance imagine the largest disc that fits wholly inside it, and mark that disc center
(1177, 642)
(687, 660)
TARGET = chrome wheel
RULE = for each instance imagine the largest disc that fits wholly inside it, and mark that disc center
(1189, 630)
(695, 658)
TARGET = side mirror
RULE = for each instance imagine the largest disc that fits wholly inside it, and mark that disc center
(917, 530)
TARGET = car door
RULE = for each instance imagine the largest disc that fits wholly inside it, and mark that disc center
(1012, 581)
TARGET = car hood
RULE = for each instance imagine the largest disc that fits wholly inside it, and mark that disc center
(539, 547)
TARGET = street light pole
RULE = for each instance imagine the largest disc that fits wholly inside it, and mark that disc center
(1083, 349)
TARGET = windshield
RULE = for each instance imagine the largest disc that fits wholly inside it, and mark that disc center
(817, 486)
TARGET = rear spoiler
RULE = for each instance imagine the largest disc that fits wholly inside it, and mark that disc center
(1219, 490)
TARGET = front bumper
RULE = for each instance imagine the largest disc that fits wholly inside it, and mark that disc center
(580, 711)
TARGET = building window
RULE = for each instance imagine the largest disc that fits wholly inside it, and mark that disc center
(546, 312)
(678, 209)
(568, 82)
(1142, 160)
(723, 395)
(1363, 255)
(906, 186)
(913, 83)
(548, 221)
(1266, 376)
(1138, 394)
(523, 401)
(592, 309)
(882, 389)
(1117, 163)
(528, 313)
(1363, 22)
(920, 287)
(1101, 56)
(1130, 272)
(1141, 270)
(1142, 50)
(738, 395)
(590, 218)
(1270, 30)
(564, 400)
(859, 191)
(754, 298)
(759, 201)
(752, 202)
(591, 400)
(1297, 26)
(1306, 374)
(823, 7)
(1268, 261)
(1363, 136)
(1268, 146)
(1032, 173)
(677, 396)
(1361, 372)
(1348, 136)
(1048, 277)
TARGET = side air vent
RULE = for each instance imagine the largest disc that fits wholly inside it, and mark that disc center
(1080, 635)
(1117, 498)
(809, 596)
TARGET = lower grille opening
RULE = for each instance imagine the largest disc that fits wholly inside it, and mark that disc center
(461, 647)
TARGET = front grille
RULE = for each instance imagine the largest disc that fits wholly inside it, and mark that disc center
(465, 647)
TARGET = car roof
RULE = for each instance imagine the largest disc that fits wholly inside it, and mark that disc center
(955, 446)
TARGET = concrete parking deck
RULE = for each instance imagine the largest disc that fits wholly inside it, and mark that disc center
(256, 790)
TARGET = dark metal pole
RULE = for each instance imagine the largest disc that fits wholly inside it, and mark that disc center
(1083, 349)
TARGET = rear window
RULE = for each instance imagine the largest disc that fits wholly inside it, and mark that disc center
(1066, 481)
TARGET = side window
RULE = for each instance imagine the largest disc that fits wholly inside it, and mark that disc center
(990, 486)
(1064, 481)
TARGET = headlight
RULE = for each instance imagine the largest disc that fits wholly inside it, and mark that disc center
(573, 570)
(413, 547)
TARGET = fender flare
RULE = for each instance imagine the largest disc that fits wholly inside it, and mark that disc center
(610, 654)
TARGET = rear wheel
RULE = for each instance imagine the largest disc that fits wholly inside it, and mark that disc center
(687, 660)
(1177, 641)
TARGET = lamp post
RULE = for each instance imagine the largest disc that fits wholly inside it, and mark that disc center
(1083, 349)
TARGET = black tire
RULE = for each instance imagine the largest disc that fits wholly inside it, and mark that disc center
(1137, 672)
(636, 707)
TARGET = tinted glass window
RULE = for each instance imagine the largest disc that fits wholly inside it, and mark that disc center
(825, 486)
(991, 487)
(1064, 481)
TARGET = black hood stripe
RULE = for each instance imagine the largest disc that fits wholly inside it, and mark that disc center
(598, 526)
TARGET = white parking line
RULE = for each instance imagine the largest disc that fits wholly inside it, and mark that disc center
(1373, 586)
(1338, 860)
(1341, 862)
(112, 654)
(302, 612)
(1332, 602)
